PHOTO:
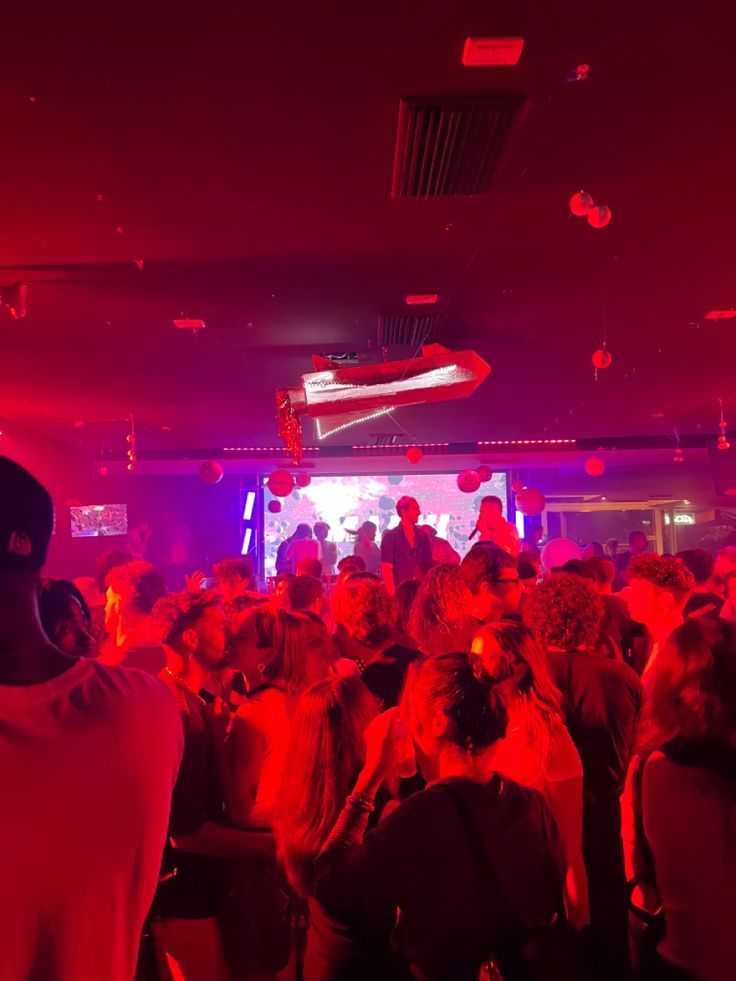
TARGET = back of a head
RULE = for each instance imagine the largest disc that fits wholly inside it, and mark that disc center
(443, 601)
(309, 567)
(577, 567)
(510, 655)
(233, 570)
(326, 750)
(450, 684)
(699, 562)
(565, 612)
(26, 518)
(484, 563)
(351, 563)
(694, 686)
(302, 531)
(303, 592)
(108, 560)
(664, 572)
(528, 568)
(365, 609)
(603, 570)
(139, 584)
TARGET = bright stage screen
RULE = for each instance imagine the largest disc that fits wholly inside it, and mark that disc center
(95, 520)
(346, 502)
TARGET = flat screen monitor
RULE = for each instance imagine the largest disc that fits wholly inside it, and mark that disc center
(96, 520)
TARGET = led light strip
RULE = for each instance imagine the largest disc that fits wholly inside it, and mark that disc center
(353, 422)
(526, 442)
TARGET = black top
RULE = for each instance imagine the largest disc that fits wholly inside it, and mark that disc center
(601, 699)
(407, 562)
(385, 676)
(421, 862)
(190, 883)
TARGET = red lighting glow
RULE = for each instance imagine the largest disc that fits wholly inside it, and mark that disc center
(720, 315)
(421, 299)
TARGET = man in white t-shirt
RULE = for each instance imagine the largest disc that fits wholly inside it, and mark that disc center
(88, 760)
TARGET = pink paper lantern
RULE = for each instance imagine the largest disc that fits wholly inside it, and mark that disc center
(274, 506)
(485, 473)
(517, 486)
(531, 502)
(303, 479)
(468, 481)
(211, 472)
(595, 467)
(280, 483)
(602, 359)
(414, 454)
(580, 203)
(599, 216)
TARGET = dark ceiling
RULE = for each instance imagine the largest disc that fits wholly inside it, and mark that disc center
(244, 152)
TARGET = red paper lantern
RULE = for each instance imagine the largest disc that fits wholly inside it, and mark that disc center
(210, 472)
(303, 479)
(280, 483)
(104, 471)
(274, 506)
(530, 502)
(468, 481)
(581, 203)
(599, 216)
(485, 473)
(517, 486)
(601, 359)
(595, 467)
(414, 454)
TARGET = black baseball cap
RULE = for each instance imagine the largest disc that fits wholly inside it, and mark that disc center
(26, 518)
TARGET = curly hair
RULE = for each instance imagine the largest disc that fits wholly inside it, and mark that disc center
(442, 602)
(365, 609)
(177, 612)
(233, 568)
(140, 584)
(664, 571)
(565, 611)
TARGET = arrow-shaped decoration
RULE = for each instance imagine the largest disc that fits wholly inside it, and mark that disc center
(338, 397)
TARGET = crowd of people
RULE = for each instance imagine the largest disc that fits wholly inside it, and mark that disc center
(396, 766)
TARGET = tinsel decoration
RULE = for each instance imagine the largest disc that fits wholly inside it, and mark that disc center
(679, 457)
(290, 427)
(723, 443)
(130, 440)
(15, 298)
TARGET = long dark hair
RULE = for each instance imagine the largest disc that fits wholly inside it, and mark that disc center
(473, 705)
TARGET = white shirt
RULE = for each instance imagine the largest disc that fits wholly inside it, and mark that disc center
(88, 762)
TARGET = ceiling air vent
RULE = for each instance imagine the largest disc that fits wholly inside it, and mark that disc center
(406, 330)
(451, 146)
